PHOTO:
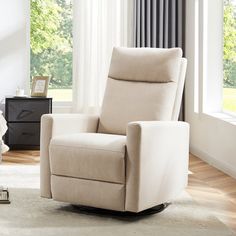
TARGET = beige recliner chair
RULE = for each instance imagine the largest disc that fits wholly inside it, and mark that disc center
(135, 154)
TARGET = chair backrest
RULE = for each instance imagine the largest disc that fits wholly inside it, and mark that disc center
(143, 84)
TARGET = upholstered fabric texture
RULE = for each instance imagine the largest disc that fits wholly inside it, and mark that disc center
(88, 192)
(135, 155)
(59, 124)
(143, 85)
(157, 162)
(89, 156)
(126, 101)
(179, 91)
(145, 64)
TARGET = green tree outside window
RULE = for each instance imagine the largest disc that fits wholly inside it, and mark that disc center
(229, 56)
(51, 41)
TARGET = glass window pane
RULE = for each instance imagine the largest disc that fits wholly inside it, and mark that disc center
(229, 90)
(51, 45)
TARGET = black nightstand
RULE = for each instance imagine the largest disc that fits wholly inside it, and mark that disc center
(23, 119)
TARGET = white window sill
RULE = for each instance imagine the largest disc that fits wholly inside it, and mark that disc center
(227, 117)
(61, 103)
(62, 107)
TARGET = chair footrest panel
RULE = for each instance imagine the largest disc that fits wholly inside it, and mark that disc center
(88, 192)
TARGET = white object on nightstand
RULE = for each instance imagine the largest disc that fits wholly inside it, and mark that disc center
(20, 92)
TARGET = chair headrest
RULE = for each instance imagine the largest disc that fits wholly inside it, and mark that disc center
(156, 65)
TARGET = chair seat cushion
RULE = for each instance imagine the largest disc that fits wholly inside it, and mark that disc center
(91, 156)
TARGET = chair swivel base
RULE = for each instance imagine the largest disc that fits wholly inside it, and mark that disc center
(125, 214)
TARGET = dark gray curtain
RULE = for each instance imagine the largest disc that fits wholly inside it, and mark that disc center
(161, 24)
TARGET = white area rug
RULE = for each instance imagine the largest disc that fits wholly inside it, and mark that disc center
(28, 214)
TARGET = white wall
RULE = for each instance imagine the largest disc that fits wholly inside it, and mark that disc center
(14, 46)
(213, 139)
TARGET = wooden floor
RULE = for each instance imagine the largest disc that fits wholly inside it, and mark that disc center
(21, 157)
(213, 189)
(207, 185)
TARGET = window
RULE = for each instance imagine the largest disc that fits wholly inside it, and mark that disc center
(215, 57)
(229, 58)
(51, 45)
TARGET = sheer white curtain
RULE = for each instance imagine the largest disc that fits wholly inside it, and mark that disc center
(99, 25)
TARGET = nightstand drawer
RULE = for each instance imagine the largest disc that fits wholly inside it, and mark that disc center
(24, 134)
(26, 110)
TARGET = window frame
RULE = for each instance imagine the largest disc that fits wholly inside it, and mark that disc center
(208, 76)
(57, 105)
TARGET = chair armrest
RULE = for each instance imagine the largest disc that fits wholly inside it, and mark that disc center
(157, 162)
(58, 124)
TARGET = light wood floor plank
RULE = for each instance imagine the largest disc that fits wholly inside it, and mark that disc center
(213, 189)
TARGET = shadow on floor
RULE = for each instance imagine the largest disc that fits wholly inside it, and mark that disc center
(124, 216)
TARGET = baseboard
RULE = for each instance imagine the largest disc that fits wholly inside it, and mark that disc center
(225, 167)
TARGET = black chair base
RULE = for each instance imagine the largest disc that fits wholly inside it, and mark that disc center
(119, 214)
